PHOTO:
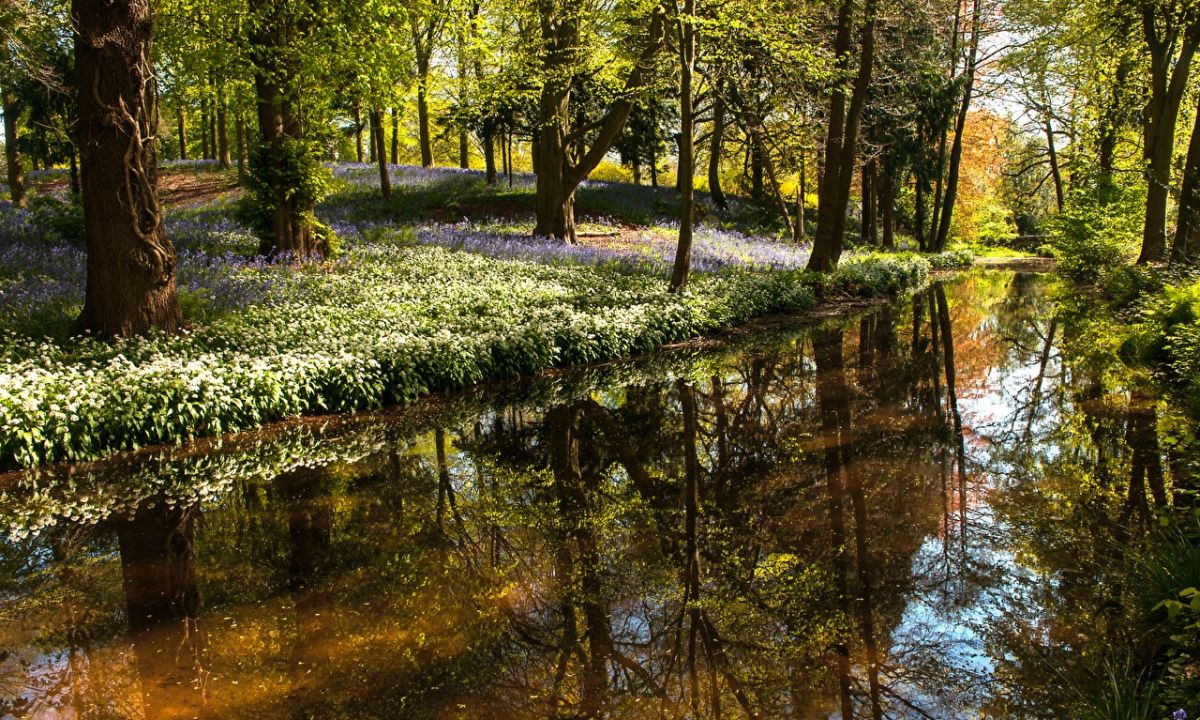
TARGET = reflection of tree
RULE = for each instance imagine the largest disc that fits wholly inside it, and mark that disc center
(158, 575)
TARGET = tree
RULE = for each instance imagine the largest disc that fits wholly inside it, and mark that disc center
(130, 261)
(841, 143)
(1171, 33)
(685, 29)
(426, 24)
(562, 159)
(287, 179)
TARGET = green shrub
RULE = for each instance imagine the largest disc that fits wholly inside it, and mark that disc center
(1090, 238)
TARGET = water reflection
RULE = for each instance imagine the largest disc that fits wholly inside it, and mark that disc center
(852, 521)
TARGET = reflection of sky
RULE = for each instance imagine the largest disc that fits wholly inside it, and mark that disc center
(966, 584)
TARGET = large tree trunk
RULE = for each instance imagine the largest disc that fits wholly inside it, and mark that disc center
(841, 145)
(489, 155)
(686, 175)
(291, 230)
(1187, 232)
(377, 141)
(12, 156)
(950, 197)
(130, 261)
(1168, 81)
(714, 151)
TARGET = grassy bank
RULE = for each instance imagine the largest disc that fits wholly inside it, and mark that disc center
(406, 309)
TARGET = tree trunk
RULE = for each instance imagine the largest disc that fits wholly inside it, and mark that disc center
(395, 136)
(870, 232)
(802, 201)
(919, 190)
(204, 146)
(423, 132)
(714, 152)
(887, 202)
(130, 261)
(1187, 232)
(758, 190)
(377, 141)
(358, 133)
(489, 155)
(558, 174)
(239, 127)
(956, 149)
(12, 156)
(212, 129)
(1055, 170)
(841, 145)
(291, 228)
(179, 116)
(686, 174)
(73, 171)
(1168, 82)
(223, 157)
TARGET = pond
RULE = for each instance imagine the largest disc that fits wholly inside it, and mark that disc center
(909, 512)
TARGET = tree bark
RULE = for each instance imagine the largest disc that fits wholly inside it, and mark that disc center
(130, 261)
(204, 145)
(377, 141)
(686, 175)
(12, 156)
(841, 145)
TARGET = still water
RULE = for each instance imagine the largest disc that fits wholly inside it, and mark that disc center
(875, 517)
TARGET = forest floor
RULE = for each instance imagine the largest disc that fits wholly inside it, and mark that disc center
(431, 290)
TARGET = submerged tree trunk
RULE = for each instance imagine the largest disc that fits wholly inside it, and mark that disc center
(12, 155)
(377, 142)
(841, 145)
(130, 261)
